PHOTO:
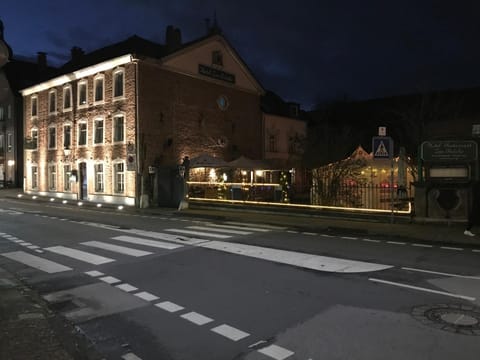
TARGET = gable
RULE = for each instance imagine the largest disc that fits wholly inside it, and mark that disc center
(196, 60)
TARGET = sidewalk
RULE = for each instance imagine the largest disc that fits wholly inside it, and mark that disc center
(29, 330)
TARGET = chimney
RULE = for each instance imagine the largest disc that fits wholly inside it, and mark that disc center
(41, 60)
(173, 38)
(76, 53)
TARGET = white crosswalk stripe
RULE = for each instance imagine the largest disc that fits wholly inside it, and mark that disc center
(221, 230)
(36, 262)
(263, 226)
(147, 242)
(199, 233)
(80, 255)
(116, 248)
(246, 228)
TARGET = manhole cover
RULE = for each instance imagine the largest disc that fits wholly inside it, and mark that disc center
(456, 318)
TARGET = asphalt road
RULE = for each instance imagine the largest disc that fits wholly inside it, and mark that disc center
(167, 287)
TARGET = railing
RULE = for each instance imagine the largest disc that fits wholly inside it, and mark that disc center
(264, 192)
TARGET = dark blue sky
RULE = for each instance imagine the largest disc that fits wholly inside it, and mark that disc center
(304, 50)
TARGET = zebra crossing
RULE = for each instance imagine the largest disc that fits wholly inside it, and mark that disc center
(135, 243)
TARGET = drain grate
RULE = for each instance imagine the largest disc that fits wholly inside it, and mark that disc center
(456, 318)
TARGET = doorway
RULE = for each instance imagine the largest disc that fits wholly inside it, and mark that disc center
(83, 181)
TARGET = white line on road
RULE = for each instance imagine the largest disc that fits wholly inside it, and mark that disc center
(130, 356)
(164, 236)
(423, 289)
(292, 232)
(349, 238)
(146, 296)
(328, 236)
(304, 260)
(451, 248)
(227, 231)
(230, 332)
(276, 352)
(309, 233)
(238, 227)
(110, 280)
(36, 262)
(146, 242)
(94, 273)
(422, 245)
(80, 255)
(442, 273)
(476, 250)
(199, 233)
(265, 226)
(196, 318)
(116, 248)
(371, 240)
(396, 243)
(169, 306)
(126, 287)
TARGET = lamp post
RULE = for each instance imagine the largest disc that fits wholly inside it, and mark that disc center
(183, 171)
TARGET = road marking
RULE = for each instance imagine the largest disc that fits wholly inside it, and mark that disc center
(126, 287)
(169, 306)
(196, 318)
(94, 273)
(304, 260)
(442, 273)
(163, 236)
(263, 226)
(36, 262)
(451, 248)
(39, 251)
(396, 243)
(422, 245)
(276, 352)
(371, 240)
(476, 250)
(423, 289)
(227, 231)
(349, 238)
(130, 356)
(146, 296)
(256, 344)
(292, 232)
(230, 332)
(328, 236)
(80, 255)
(33, 247)
(199, 233)
(238, 227)
(116, 248)
(309, 233)
(110, 280)
(146, 242)
(18, 241)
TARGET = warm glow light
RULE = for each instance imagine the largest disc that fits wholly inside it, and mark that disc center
(64, 201)
(99, 205)
(52, 199)
(259, 172)
(224, 176)
(80, 203)
(11, 162)
(34, 197)
(120, 207)
(19, 195)
(244, 172)
(212, 176)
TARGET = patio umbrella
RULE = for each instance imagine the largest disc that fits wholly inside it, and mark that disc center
(205, 160)
(245, 163)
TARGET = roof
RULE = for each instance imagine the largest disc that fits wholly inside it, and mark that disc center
(21, 73)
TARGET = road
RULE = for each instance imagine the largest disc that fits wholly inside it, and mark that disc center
(170, 287)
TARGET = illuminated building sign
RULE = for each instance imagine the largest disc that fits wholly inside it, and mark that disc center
(446, 151)
(216, 74)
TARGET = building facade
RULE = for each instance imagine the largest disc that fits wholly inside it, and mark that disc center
(111, 121)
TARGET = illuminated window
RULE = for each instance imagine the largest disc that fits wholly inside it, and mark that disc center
(67, 136)
(34, 173)
(67, 98)
(52, 177)
(34, 106)
(119, 177)
(82, 93)
(52, 137)
(99, 89)
(98, 138)
(118, 128)
(82, 133)
(99, 178)
(67, 172)
(118, 83)
(52, 102)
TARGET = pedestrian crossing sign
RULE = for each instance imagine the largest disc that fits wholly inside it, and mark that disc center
(382, 147)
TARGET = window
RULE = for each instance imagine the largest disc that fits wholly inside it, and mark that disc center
(52, 137)
(119, 177)
(98, 89)
(67, 136)
(52, 102)
(2, 143)
(52, 177)
(99, 177)
(118, 84)
(217, 58)
(34, 134)
(67, 98)
(118, 128)
(2, 114)
(34, 172)
(67, 172)
(82, 133)
(34, 104)
(272, 143)
(9, 112)
(9, 142)
(82, 93)
(98, 138)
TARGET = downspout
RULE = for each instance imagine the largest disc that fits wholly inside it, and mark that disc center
(138, 177)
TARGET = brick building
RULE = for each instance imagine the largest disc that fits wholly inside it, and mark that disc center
(114, 124)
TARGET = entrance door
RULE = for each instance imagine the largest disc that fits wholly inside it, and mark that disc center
(83, 181)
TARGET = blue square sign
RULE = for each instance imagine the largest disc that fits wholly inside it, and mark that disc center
(382, 147)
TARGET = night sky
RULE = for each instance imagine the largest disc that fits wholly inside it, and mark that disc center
(305, 51)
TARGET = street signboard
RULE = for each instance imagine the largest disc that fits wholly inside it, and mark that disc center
(449, 150)
(382, 147)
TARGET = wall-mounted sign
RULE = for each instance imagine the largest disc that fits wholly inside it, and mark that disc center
(449, 150)
(382, 147)
(216, 74)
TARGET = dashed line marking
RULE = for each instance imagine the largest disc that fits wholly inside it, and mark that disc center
(126, 287)
(196, 318)
(309, 233)
(476, 250)
(130, 356)
(276, 352)
(169, 306)
(94, 273)
(349, 238)
(325, 235)
(396, 243)
(230, 332)
(371, 240)
(422, 245)
(442, 273)
(451, 248)
(292, 232)
(110, 279)
(146, 296)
